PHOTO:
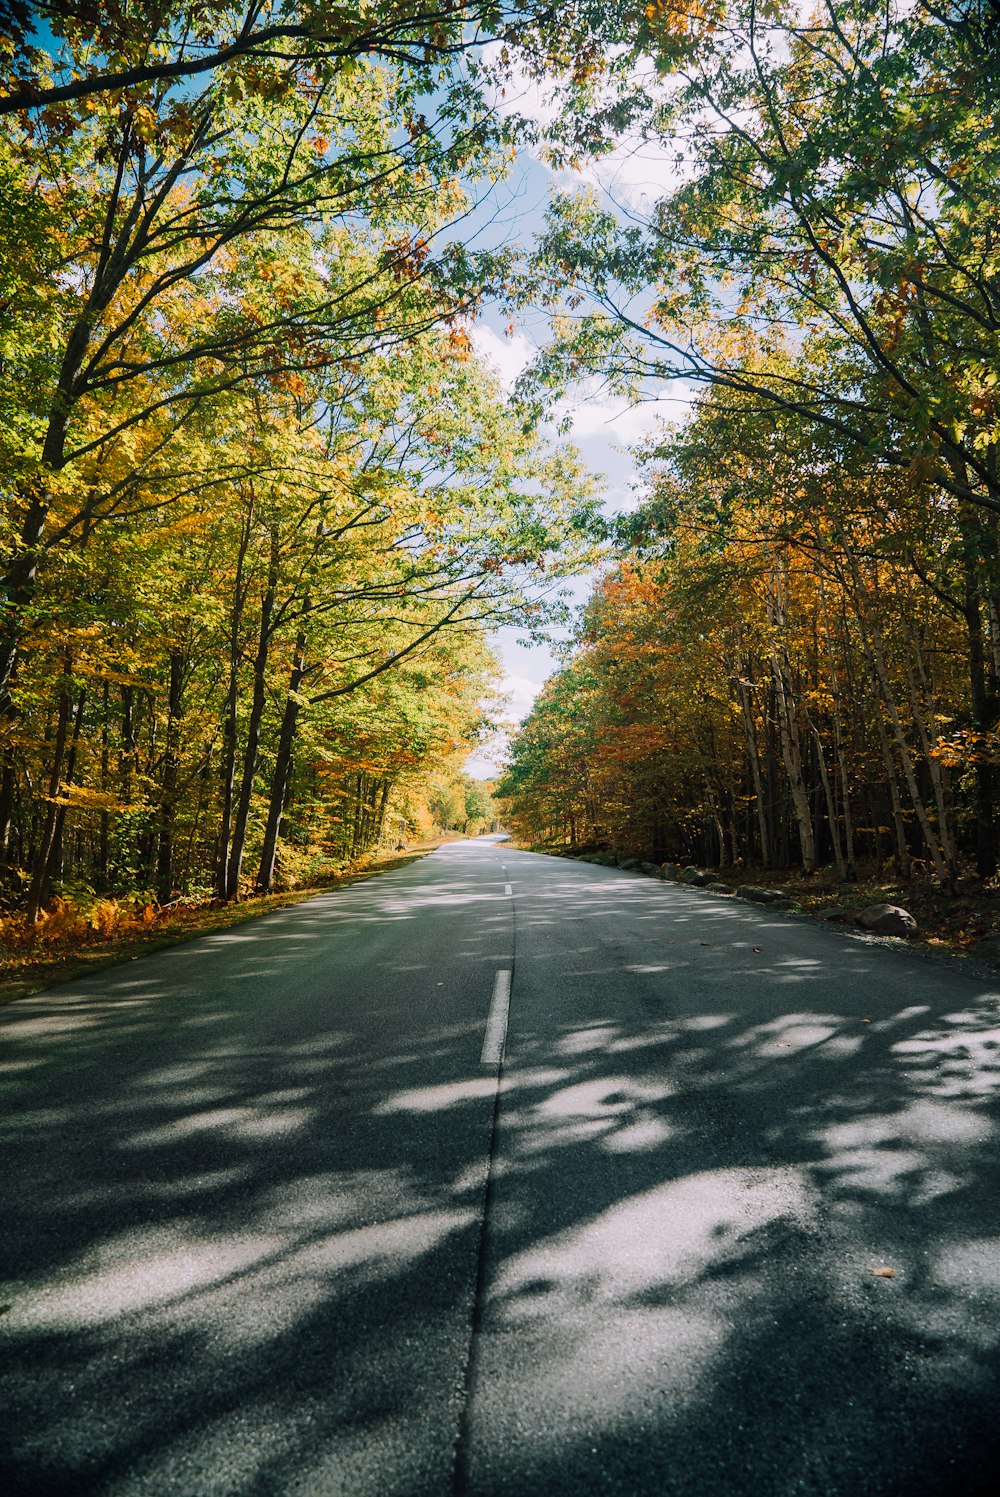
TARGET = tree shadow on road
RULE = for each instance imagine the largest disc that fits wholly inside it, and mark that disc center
(261, 1279)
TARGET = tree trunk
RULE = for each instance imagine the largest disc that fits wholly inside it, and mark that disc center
(791, 753)
(928, 734)
(281, 779)
(227, 765)
(171, 770)
(43, 854)
(831, 807)
(982, 717)
(750, 734)
(252, 746)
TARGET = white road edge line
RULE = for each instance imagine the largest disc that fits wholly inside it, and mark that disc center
(496, 1024)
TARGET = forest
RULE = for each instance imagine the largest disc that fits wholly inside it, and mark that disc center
(263, 504)
(792, 656)
(261, 501)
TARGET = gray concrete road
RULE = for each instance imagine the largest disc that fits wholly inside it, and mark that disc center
(276, 1220)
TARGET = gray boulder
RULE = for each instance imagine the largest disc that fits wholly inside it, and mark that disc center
(668, 870)
(696, 877)
(649, 868)
(988, 948)
(757, 894)
(888, 920)
(718, 888)
(629, 863)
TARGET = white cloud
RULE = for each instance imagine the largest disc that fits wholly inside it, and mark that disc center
(509, 356)
(636, 173)
(529, 98)
(520, 693)
(617, 421)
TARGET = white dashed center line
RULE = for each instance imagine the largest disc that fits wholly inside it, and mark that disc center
(496, 1024)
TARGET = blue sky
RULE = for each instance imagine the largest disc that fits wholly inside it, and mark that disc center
(603, 429)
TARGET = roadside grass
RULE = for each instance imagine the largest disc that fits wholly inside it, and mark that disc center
(947, 922)
(71, 947)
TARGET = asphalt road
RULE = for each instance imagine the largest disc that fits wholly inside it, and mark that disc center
(276, 1218)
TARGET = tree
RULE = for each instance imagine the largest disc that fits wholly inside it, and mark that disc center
(64, 52)
(831, 243)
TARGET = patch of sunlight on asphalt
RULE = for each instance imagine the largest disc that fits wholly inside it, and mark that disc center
(877, 1171)
(334, 1198)
(437, 1098)
(658, 1035)
(171, 1075)
(797, 1031)
(647, 1133)
(59, 1024)
(973, 1265)
(667, 1236)
(274, 1297)
(392, 1242)
(595, 1037)
(602, 1097)
(795, 1037)
(39, 1117)
(903, 1016)
(904, 1154)
(923, 1122)
(275, 1125)
(842, 1047)
(955, 1063)
(187, 1096)
(138, 1272)
(247, 1288)
(611, 1375)
(185, 1127)
(559, 1136)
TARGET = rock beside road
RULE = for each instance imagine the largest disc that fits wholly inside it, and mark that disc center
(988, 948)
(888, 920)
(698, 878)
(758, 894)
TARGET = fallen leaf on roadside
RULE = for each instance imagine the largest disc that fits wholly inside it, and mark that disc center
(883, 1273)
(866, 1021)
(702, 943)
(758, 948)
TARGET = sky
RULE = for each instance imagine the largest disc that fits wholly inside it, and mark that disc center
(603, 429)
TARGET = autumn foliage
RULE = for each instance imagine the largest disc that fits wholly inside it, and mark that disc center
(260, 500)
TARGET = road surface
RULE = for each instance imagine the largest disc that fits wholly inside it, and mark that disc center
(500, 1174)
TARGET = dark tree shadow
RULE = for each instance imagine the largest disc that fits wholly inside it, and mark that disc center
(244, 1183)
